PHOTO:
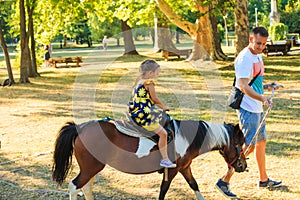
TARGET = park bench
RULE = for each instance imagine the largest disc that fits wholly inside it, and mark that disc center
(176, 52)
(278, 47)
(67, 60)
(294, 38)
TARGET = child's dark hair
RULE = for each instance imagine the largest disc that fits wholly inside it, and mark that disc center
(148, 65)
(262, 31)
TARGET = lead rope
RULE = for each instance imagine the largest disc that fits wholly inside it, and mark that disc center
(261, 123)
(166, 174)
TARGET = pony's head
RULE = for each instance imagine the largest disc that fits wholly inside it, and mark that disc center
(233, 153)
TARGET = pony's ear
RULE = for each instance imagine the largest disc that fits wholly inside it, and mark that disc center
(236, 127)
(239, 133)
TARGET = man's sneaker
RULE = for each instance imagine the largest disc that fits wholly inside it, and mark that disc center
(224, 189)
(167, 163)
(269, 183)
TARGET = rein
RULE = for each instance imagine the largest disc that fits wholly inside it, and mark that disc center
(238, 153)
(261, 123)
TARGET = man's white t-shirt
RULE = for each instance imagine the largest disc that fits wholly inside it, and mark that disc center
(248, 65)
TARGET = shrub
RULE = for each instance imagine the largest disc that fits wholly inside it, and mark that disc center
(278, 31)
(221, 32)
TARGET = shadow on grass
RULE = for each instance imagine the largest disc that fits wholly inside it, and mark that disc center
(282, 188)
(42, 174)
(281, 148)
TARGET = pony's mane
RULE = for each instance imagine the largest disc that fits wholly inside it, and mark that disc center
(200, 135)
(218, 135)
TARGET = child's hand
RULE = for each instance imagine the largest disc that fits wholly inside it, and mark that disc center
(166, 108)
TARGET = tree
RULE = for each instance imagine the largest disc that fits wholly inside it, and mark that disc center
(125, 11)
(263, 11)
(6, 54)
(25, 54)
(164, 33)
(202, 32)
(30, 10)
(99, 28)
(290, 17)
(242, 25)
(128, 39)
(22, 23)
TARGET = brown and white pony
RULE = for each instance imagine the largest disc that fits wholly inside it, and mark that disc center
(97, 143)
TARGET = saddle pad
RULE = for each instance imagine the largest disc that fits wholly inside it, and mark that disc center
(131, 129)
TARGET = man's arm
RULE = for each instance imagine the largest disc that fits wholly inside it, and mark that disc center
(248, 90)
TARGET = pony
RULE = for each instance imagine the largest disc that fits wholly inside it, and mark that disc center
(99, 143)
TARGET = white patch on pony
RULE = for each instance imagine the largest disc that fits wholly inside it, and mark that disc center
(217, 134)
(181, 144)
(199, 195)
(80, 193)
(88, 189)
(72, 191)
(145, 145)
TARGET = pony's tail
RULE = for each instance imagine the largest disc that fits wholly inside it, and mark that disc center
(63, 152)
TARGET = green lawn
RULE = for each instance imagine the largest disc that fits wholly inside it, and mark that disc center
(33, 113)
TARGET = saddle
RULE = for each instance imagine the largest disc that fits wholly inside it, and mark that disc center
(132, 129)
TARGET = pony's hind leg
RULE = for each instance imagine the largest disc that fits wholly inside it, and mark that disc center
(73, 191)
(88, 189)
(165, 185)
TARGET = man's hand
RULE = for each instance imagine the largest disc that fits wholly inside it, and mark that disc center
(267, 102)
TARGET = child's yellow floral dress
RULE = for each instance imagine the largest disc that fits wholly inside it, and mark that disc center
(142, 109)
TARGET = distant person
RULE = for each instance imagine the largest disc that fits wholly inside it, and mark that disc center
(50, 50)
(104, 42)
(47, 56)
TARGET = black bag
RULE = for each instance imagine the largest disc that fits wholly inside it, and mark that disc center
(236, 95)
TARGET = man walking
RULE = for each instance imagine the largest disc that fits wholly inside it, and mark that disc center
(247, 65)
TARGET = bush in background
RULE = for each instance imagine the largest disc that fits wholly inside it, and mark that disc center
(278, 31)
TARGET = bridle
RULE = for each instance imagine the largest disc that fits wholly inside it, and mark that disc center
(237, 158)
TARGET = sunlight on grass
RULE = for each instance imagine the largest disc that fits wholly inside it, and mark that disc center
(33, 113)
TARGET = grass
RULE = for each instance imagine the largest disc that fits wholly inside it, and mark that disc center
(32, 114)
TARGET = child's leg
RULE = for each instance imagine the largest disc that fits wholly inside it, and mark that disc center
(162, 142)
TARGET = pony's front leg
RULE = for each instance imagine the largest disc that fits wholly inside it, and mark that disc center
(165, 185)
(88, 189)
(187, 174)
(73, 191)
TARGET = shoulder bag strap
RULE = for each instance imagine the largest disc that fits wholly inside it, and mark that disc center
(251, 82)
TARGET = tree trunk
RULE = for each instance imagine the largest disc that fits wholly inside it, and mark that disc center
(33, 67)
(204, 37)
(177, 36)
(201, 31)
(128, 40)
(7, 58)
(164, 35)
(242, 25)
(65, 41)
(25, 61)
(216, 37)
